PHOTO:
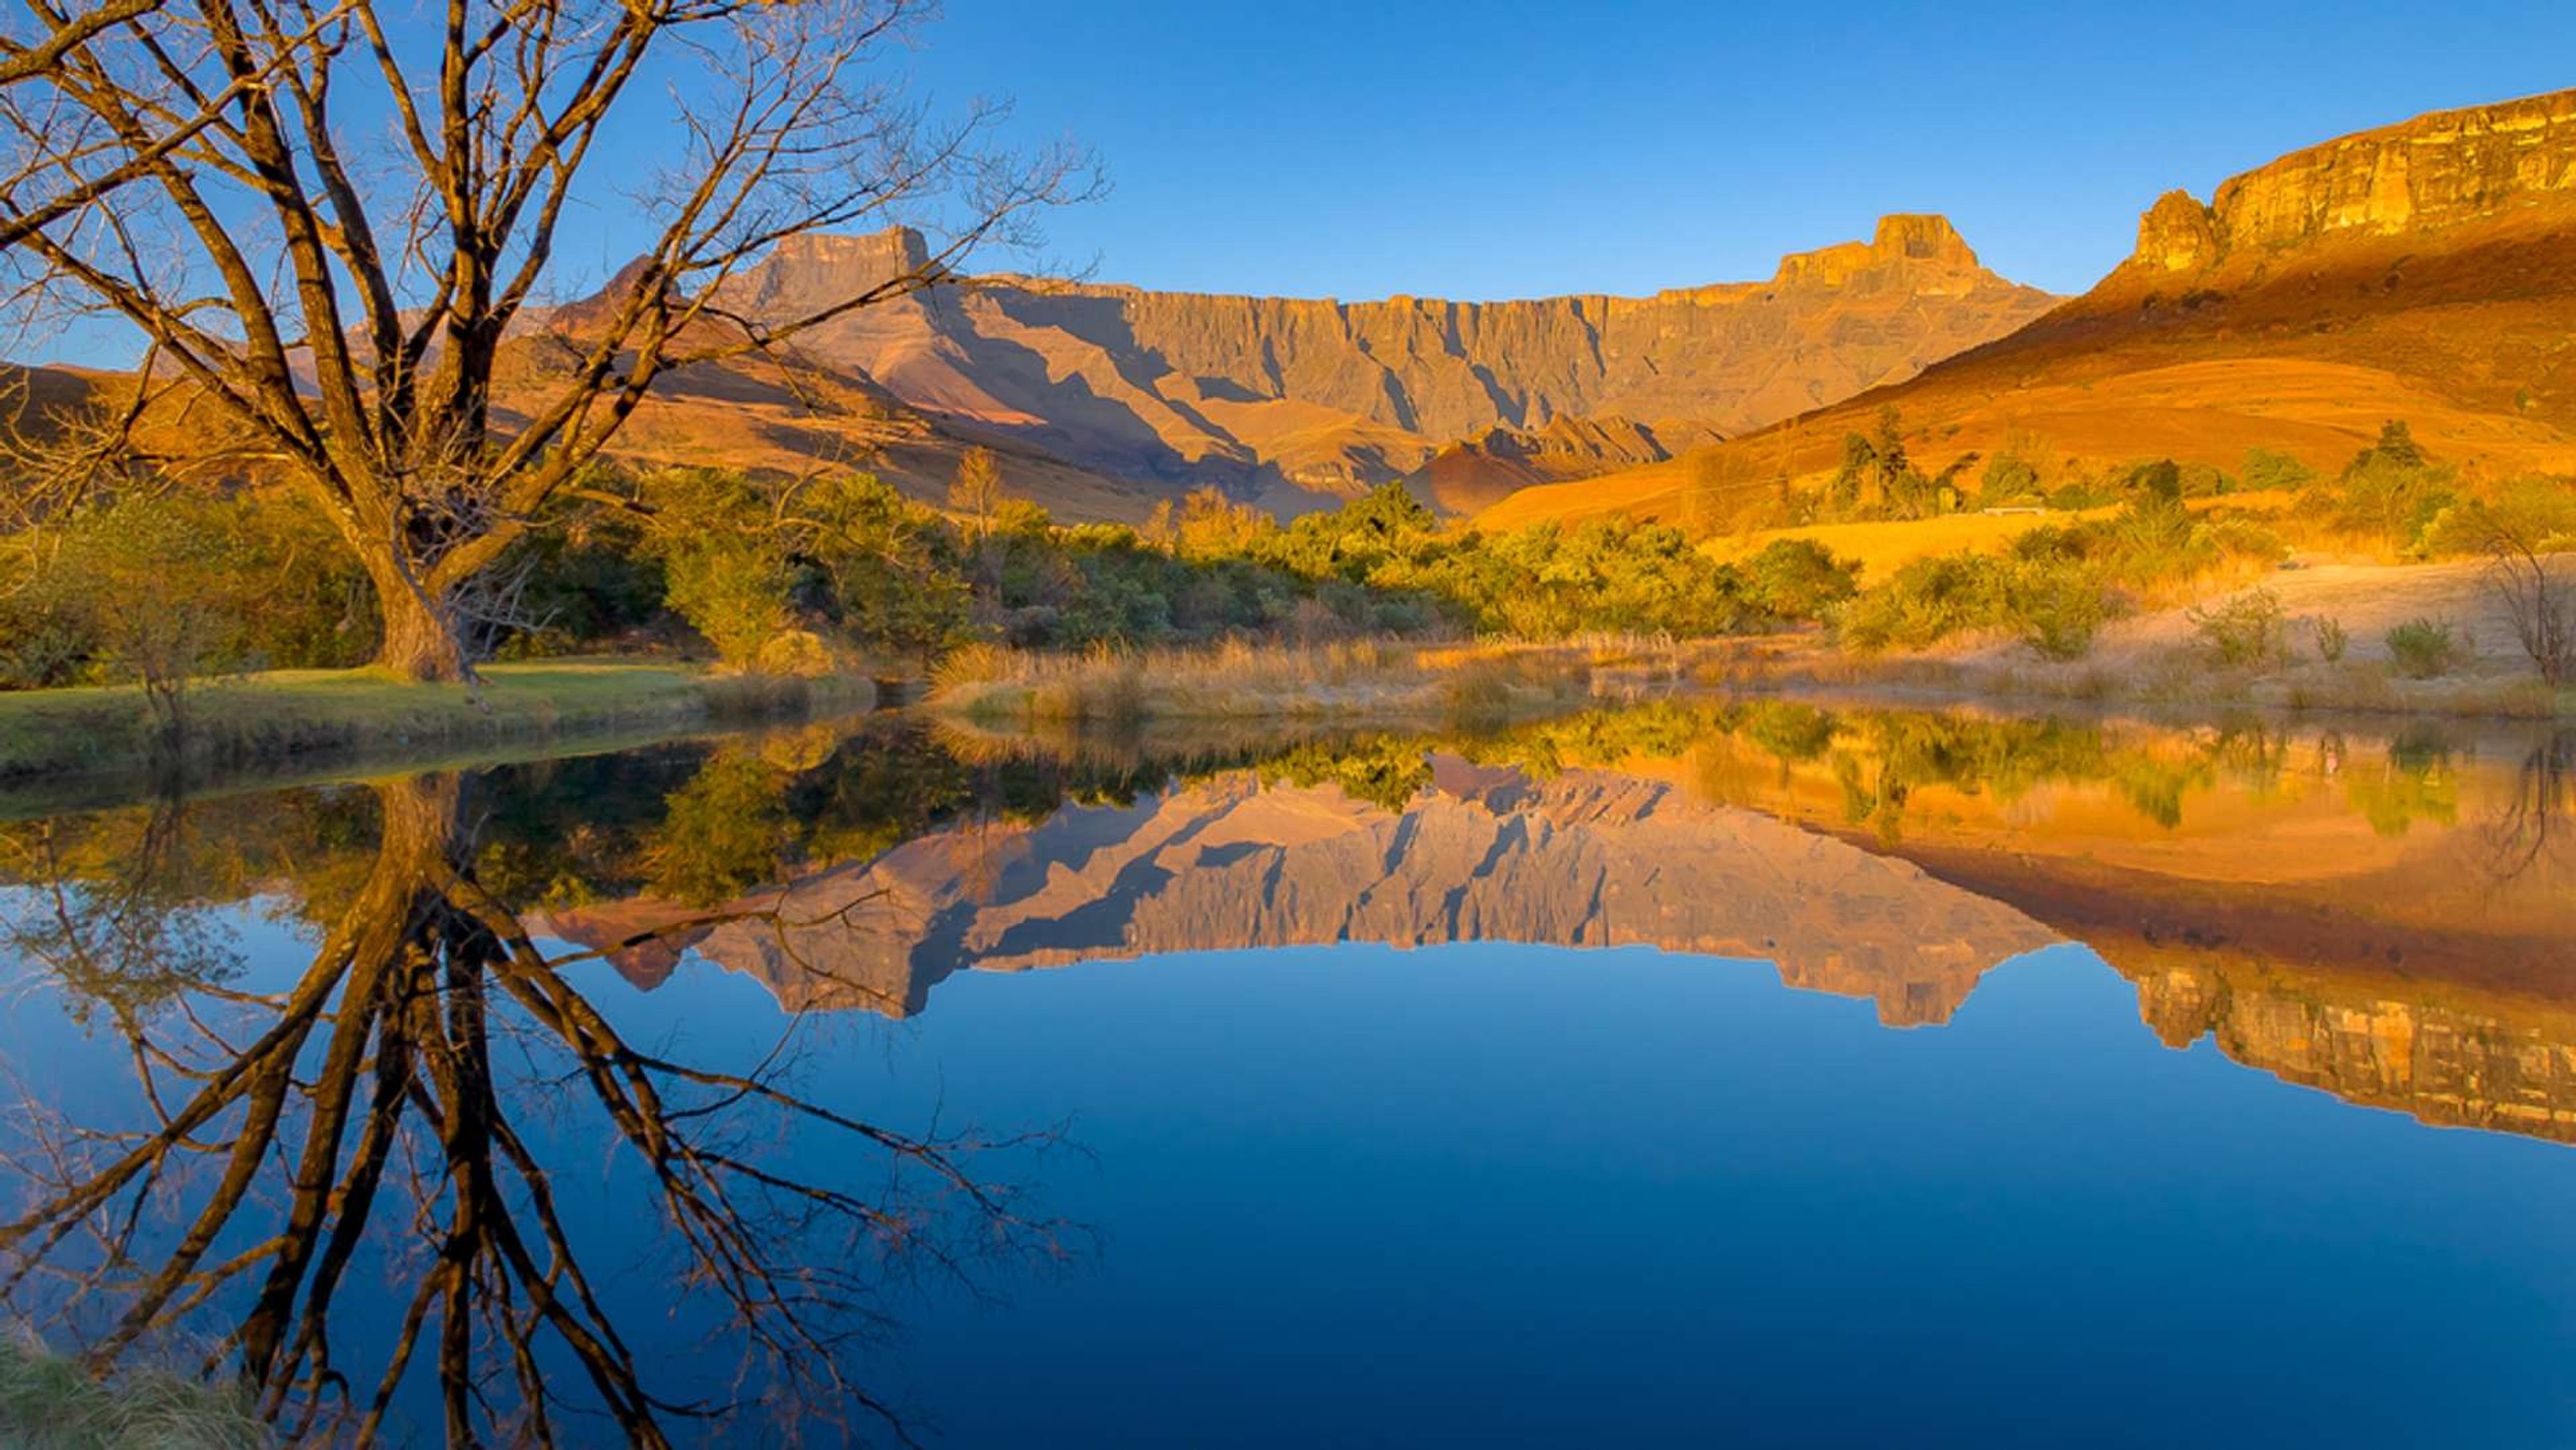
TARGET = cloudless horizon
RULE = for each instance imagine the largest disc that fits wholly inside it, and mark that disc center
(1359, 151)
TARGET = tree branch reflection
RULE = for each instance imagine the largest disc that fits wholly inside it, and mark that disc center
(390, 1107)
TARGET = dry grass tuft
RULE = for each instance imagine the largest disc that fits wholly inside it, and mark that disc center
(1238, 679)
(48, 1403)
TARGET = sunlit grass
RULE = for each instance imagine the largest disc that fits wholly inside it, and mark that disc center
(1241, 679)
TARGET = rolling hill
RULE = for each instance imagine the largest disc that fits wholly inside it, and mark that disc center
(2423, 271)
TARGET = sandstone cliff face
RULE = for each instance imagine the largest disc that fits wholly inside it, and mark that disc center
(1327, 396)
(1584, 859)
(2424, 175)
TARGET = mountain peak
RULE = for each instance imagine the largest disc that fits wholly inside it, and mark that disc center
(1919, 250)
(1920, 236)
(816, 269)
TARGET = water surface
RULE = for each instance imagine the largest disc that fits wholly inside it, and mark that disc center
(1665, 1073)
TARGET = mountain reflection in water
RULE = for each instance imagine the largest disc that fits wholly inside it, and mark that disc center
(406, 1097)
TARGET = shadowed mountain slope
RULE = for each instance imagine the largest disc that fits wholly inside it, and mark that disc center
(1297, 401)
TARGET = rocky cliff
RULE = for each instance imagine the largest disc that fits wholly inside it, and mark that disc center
(1581, 859)
(1323, 397)
(2421, 176)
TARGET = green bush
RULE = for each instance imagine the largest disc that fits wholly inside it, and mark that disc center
(2424, 649)
(1798, 579)
(165, 586)
(2059, 609)
(1929, 599)
(2244, 630)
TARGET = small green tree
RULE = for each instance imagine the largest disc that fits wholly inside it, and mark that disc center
(976, 491)
(2391, 490)
(733, 589)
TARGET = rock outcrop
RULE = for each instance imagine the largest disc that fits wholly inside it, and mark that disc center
(2418, 177)
(1324, 397)
(1582, 859)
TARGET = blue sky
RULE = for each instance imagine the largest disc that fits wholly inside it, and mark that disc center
(1510, 149)
(1513, 149)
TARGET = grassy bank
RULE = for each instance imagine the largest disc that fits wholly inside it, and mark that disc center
(1367, 679)
(2178, 680)
(261, 720)
(48, 1403)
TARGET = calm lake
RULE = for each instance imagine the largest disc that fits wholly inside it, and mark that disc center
(1673, 1072)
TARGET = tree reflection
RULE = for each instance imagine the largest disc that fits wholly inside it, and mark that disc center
(390, 1106)
(2530, 828)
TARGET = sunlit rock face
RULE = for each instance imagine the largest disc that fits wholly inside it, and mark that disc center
(2459, 1066)
(1329, 396)
(1581, 859)
(2424, 175)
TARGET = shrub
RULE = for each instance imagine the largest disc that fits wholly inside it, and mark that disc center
(1929, 599)
(2244, 630)
(2059, 609)
(2267, 470)
(2331, 637)
(799, 652)
(2424, 649)
(1798, 579)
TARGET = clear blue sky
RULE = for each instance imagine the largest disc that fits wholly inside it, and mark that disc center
(1512, 149)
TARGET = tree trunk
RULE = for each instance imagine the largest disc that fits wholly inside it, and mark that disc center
(421, 640)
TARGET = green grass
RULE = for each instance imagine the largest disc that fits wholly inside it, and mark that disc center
(49, 1403)
(252, 721)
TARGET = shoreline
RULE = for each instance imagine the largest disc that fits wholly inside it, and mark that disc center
(69, 745)
(66, 749)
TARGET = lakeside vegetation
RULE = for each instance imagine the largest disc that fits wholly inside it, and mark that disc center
(259, 720)
(189, 624)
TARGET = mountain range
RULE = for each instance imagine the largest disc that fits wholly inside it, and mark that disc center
(2424, 271)
(1103, 400)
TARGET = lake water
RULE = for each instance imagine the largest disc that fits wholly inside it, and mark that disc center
(1676, 1072)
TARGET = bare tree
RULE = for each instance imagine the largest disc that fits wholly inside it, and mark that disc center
(2535, 584)
(325, 217)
